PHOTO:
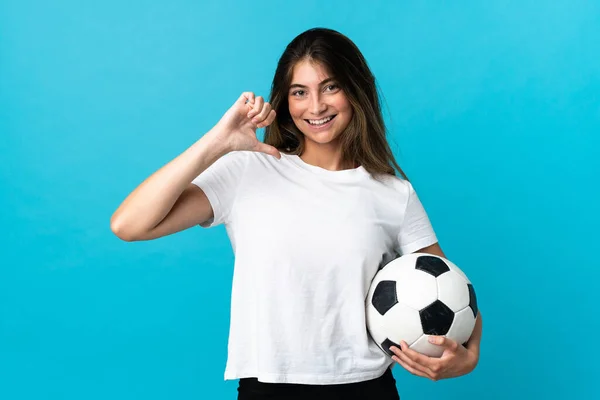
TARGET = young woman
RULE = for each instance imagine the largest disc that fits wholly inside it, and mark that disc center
(311, 212)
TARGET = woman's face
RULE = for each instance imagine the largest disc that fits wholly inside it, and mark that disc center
(318, 106)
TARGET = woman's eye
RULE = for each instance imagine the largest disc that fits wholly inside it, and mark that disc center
(332, 86)
(298, 93)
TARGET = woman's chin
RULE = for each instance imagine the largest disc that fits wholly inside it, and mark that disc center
(320, 138)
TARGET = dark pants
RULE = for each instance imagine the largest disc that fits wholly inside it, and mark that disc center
(382, 388)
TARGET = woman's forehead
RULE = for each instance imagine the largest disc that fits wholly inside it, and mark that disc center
(309, 73)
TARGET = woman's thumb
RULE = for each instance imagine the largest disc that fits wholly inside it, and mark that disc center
(268, 149)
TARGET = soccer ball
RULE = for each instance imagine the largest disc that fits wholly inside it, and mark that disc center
(417, 295)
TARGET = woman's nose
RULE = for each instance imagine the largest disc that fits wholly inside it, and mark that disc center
(317, 106)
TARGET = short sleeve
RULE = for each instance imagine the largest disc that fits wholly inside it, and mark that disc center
(220, 182)
(416, 231)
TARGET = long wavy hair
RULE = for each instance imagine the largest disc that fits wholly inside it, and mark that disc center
(364, 140)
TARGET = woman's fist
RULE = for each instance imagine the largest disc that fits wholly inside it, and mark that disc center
(237, 127)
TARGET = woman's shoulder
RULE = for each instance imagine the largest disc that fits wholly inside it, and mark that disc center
(255, 161)
(246, 157)
(394, 182)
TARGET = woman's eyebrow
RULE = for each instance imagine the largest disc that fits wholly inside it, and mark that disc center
(294, 85)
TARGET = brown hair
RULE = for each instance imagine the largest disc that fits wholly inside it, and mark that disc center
(364, 140)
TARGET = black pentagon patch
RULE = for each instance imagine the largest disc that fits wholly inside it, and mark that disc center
(472, 299)
(385, 346)
(384, 296)
(432, 265)
(436, 318)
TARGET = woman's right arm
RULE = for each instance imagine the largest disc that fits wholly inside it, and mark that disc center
(167, 201)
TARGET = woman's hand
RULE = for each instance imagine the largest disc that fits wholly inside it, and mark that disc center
(456, 360)
(237, 127)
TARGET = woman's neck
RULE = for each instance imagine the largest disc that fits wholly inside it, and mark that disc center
(326, 159)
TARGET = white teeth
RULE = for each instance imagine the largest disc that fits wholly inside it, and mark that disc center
(319, 121)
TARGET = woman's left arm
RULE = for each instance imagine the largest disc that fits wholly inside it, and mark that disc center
(475, 339)
(456, 360)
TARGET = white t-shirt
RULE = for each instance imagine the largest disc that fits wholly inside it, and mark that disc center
(307, 244)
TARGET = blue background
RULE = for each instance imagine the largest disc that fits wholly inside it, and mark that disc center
(494, 113)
